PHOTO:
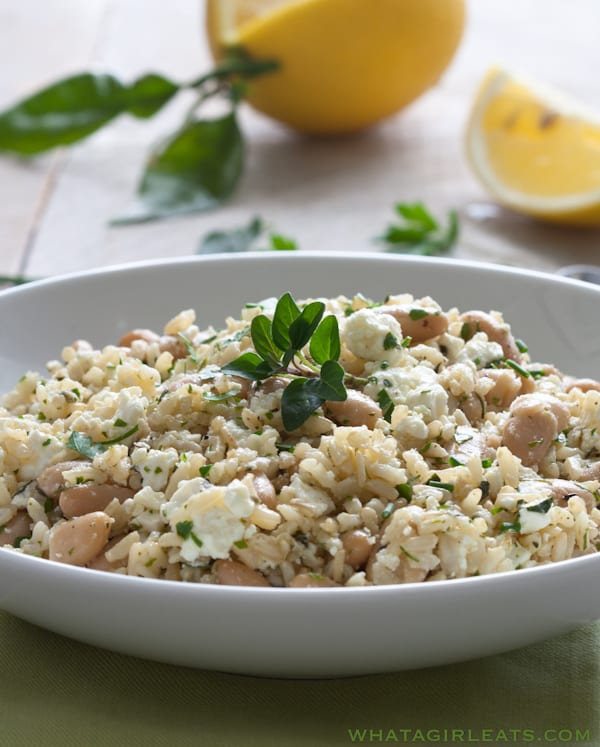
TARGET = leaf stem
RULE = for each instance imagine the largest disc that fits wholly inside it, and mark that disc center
(306, 363)
(237, 65)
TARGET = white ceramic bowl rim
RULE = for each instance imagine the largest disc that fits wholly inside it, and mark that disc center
(415, 588)
(293, 257)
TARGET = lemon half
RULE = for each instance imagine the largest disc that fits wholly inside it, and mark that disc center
(536, 150)
(345, 64)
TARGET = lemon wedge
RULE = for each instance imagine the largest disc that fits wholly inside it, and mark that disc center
(344, 64)
(536, 150)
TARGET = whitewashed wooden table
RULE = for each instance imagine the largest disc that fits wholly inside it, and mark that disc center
(332, 194)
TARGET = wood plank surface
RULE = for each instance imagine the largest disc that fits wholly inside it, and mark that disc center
(39, 42)
(328, 194)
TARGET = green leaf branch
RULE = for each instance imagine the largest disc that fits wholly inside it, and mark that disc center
(194, 169)
(278, 351)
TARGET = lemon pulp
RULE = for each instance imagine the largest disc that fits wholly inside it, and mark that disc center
(535, 150)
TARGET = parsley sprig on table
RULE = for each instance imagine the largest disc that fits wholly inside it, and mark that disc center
(278, 344)
(419, 232)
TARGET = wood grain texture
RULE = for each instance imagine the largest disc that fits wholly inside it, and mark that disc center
(331, 194)
(39, 43)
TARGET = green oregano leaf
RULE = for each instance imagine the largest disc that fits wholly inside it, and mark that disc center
(262, 339)
(300, 399)
(332, 382)
(325, 343)
(286, 312)
(303, 327)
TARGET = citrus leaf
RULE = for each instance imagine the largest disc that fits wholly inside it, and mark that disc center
(195, 169)
(75, 107)
(149, 94)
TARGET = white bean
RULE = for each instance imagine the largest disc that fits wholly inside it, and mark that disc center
(233, 573)
(83, 499)
(51, 480)
(479, 321)
(311, 581)
(79, 540)
(417, 322)
(356, 410)
(18, 526)
(358, 548)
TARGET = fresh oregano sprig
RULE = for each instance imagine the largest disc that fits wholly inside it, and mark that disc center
(195, 168)
(278, 345)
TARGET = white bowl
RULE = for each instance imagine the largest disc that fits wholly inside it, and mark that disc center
(297, 632)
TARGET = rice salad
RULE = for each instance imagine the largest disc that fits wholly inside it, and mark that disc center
(327, 442)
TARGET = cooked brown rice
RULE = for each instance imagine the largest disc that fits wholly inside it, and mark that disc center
(454, 456)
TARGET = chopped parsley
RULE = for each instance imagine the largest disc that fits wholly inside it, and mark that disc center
(192, 354)
(185, 530)
(388, 511)
(408, 555)
(211, 397)
(405, 491)
(435, 483)
(390, 341)
(86, 447)
(385, 402)
(516, 367)
(540, 508)
(521, 346)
